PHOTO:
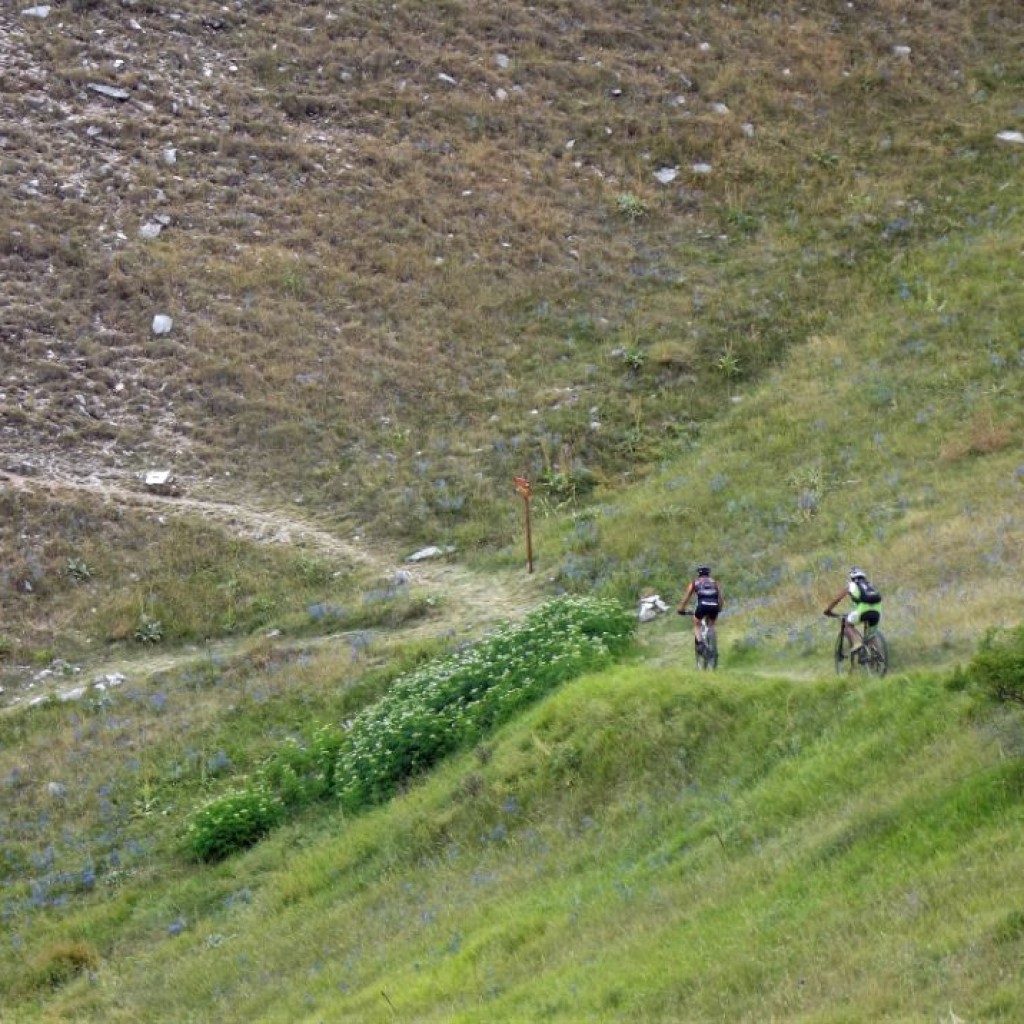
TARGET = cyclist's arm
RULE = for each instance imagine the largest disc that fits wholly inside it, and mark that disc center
(686, 597)
(838, 598)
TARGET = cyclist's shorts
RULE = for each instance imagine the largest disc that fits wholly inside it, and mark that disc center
(862, 613)
(702, 611)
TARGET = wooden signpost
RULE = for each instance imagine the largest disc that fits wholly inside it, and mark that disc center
(525, 492)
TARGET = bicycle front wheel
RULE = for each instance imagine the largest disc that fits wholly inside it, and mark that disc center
(711, 650)
(842, 652)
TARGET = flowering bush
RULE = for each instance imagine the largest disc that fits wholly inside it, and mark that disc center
(454, 702)
(430, 712)
(233, 822)
(302, 775)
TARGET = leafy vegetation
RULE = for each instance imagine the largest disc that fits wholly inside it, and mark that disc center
(442, 707)
(998, 665)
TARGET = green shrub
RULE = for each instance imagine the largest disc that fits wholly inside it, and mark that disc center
(447, 704)
(149, 631)
(78, 569)
(453, 703)
(233, 822)
(998, 665)
(631, 206)
(301, 775)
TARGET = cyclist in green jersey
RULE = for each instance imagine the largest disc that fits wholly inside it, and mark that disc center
(866, 607)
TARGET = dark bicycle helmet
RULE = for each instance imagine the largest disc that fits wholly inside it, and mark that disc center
(703, 570)
(857, 574)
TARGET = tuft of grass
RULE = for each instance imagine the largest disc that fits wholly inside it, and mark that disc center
(58, 965)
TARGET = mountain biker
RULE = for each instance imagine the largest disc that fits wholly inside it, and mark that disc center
(866, 611)
(708, 592)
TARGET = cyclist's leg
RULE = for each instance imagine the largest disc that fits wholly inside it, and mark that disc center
(709, 617)
(850, 626)
(870, 618)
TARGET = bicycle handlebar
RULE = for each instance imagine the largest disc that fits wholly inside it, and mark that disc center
(684, 611)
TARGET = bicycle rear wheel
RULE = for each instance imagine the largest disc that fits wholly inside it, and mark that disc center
(702, 656)
(877, 650)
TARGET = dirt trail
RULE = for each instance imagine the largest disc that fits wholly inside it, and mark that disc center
(264, 525)
(463, 596)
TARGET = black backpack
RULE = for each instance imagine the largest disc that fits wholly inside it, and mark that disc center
(868, 593)
(707, 592)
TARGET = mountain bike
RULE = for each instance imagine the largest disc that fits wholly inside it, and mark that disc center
(707, 644)
(873, 655)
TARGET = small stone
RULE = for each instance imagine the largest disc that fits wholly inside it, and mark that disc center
(110, 91)
(162, 324)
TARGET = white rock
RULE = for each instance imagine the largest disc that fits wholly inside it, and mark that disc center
(901, 51)
(110, 91)
(666, 175)
(701, 168)
(42, 11)
(432, 551)
(162, 324)
(1011, 137)
(651, 607)
(150, 230)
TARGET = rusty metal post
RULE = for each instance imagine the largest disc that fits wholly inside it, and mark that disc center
(525, 491)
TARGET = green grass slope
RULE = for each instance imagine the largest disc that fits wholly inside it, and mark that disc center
(891, 442)
(645, 845)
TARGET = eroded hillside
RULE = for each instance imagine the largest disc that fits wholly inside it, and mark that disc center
(408, 249)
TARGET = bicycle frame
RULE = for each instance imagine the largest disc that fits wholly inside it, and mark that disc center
(707, 651)
(873, 653)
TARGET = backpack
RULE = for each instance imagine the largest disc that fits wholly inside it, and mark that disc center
(868, 593)
(707, 592)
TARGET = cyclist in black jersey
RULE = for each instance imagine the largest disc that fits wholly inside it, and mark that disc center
(710, 602)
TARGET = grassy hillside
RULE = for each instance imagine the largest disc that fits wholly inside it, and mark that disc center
(892, 442)
(645, 845)
(738, 284)
(411, 250)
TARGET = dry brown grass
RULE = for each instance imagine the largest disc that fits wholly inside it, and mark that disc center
(366, 263)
